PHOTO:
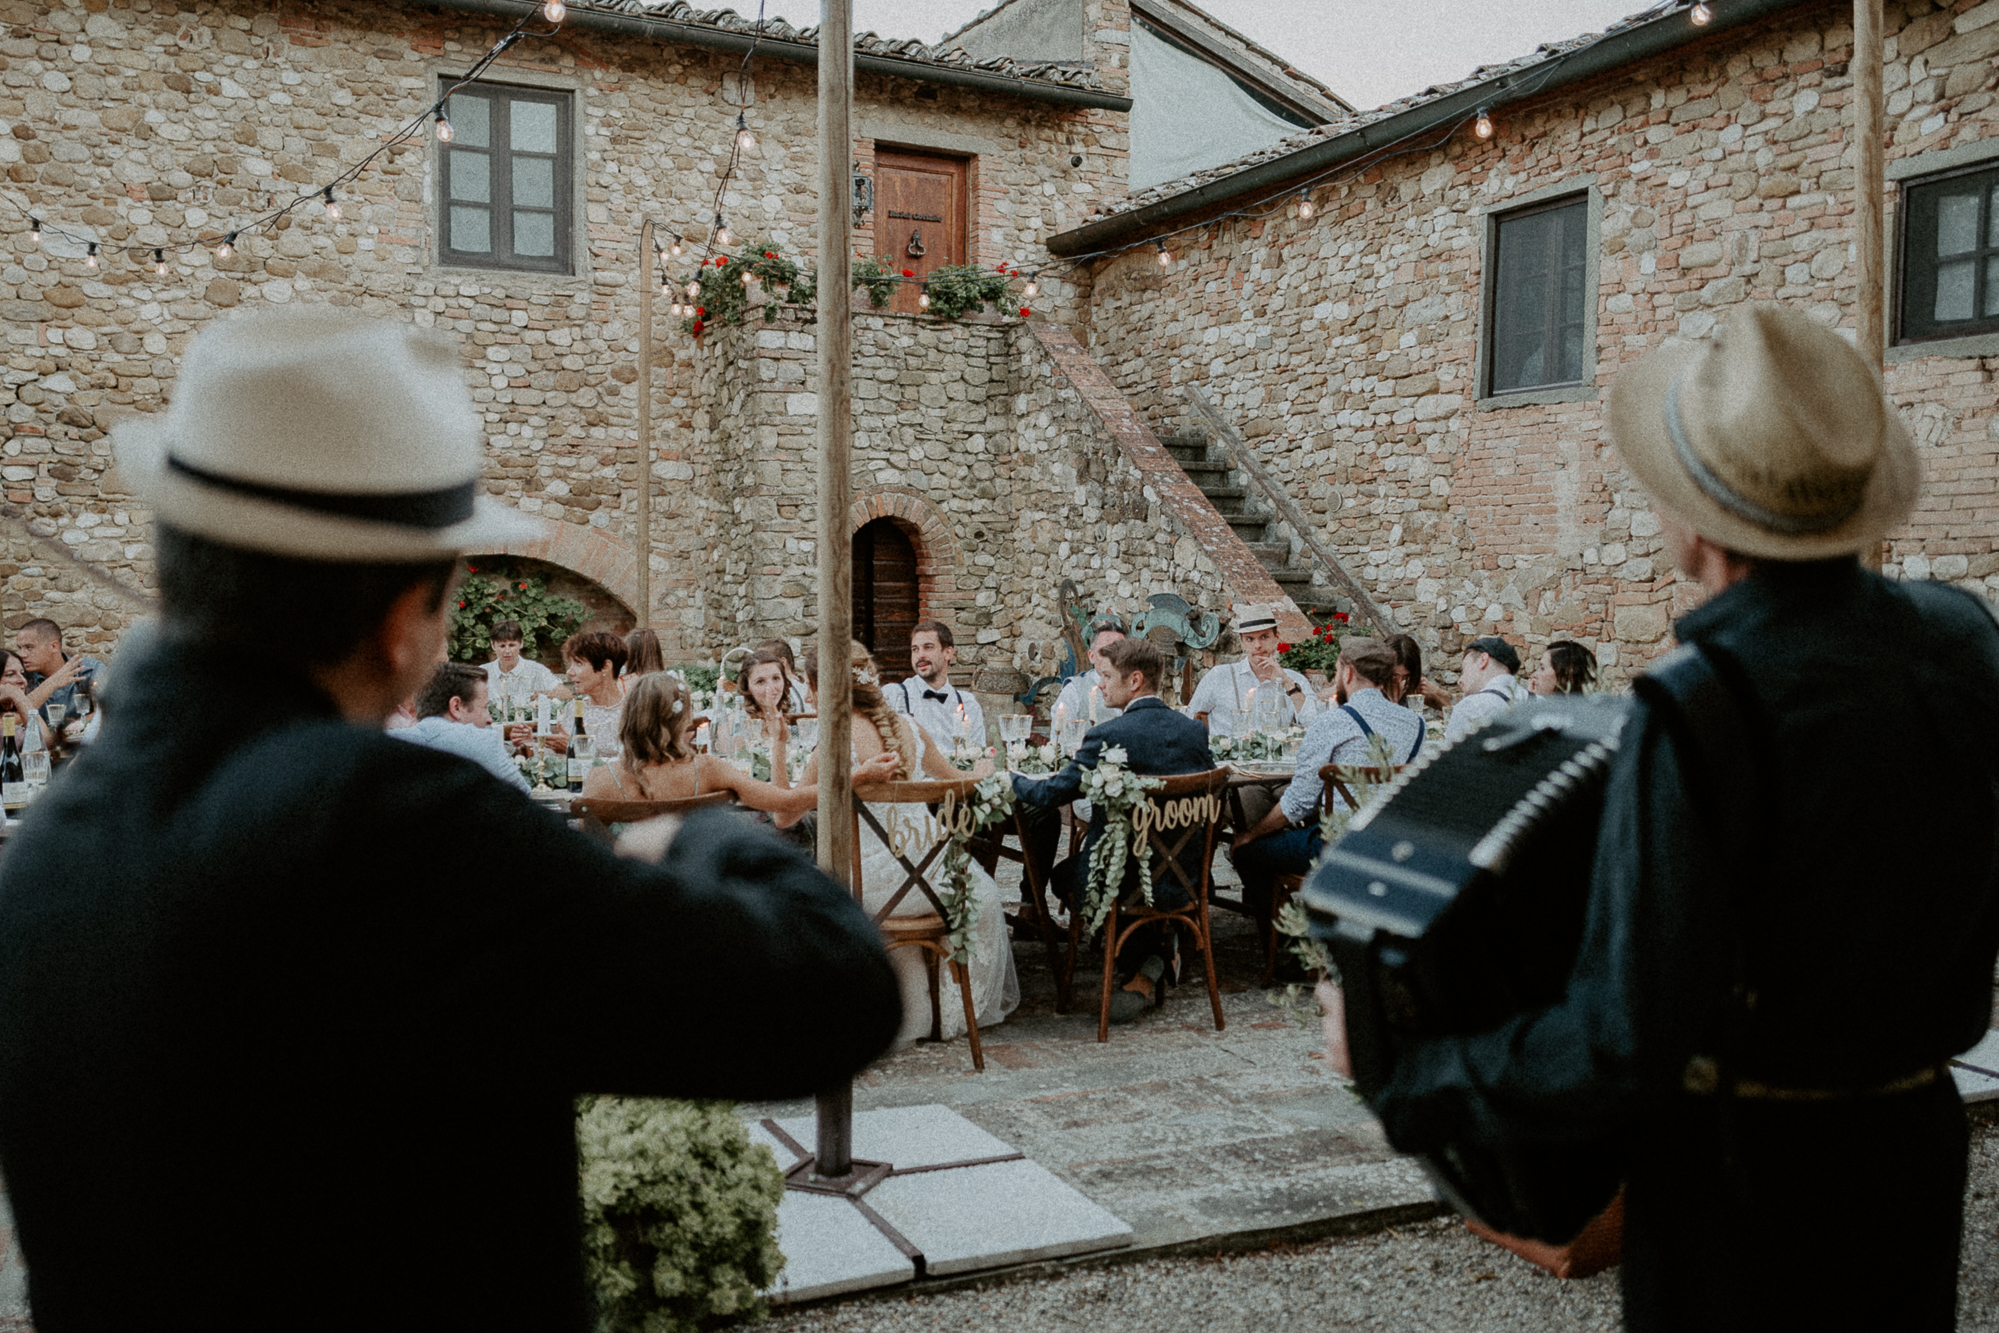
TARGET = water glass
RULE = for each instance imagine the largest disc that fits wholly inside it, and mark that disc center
(57, 712)
(1073, 732)
(35, 766)
(1015, 726)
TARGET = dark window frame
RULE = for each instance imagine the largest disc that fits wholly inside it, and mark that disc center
(1919, 292)
(1579, 200)
(500, 174)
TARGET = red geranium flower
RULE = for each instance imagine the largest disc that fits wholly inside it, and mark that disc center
(769, 255)
(1340, 616)
(461, 606)
(701, 312)
(1283, 647)
(721, 260)
(524, 587)
(1025, 312)
(697, 328)
(909, 273)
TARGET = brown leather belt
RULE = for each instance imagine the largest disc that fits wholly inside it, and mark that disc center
(1703, 1079)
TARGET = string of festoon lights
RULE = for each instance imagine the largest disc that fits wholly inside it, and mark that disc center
(223, 241)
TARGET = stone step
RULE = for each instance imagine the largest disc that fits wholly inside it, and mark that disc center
(1184, 441)
(1251, 530)
(1203, 472)
(1188, 453)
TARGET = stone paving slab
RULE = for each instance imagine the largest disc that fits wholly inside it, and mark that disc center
(989, 1216)
(830, 1249)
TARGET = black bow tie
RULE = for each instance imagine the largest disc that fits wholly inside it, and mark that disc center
(940, 698)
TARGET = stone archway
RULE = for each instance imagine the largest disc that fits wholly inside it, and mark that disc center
(590, 552)
(937, 553)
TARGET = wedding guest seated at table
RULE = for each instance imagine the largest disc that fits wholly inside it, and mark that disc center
(452, 717)
(763, 688)
(797, 698)
(510, 675)
(14, 699)
(1409, 677)
(1566, 668)
(54, 677)
(1082, 697)
(879, 730)
(1236, 698)
(657, 760)
(592, 659)
(948, 713)
(643, 656)
(1156, 741)
(1287, 840)
(1487, 680)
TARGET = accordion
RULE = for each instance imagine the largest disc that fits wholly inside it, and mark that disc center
(1455, 901)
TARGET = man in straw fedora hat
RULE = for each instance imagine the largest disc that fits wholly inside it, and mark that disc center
(1783, 948)
(293, 1015)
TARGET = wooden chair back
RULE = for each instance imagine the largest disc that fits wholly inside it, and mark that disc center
(597, 815)
(953, 795)
(1179, 822)
(1336, 778)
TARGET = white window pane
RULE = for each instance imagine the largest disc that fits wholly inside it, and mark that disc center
(1957, 224)
(534, 182)
(470, 121)
(533, 127)
(1954, 282)
(471, 229)
(534, 234)
(471, 177)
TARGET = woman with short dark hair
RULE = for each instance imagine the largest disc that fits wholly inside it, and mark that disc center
(1566, 668)
(592, 659)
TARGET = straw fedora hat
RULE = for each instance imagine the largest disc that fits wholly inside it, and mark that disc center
(321, 435)
(1772, 439)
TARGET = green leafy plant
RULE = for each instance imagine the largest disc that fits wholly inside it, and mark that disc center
(496, 592)
(679, 1214)
(1321, 652)
(879, 275)
(700, 679)
(964, 289)
(725, 298)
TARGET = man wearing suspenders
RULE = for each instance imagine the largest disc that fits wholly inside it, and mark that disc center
(1488, 681)
(1285, 841)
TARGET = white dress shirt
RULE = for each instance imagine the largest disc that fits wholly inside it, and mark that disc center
(937, 711)
(1499, 694)
(1073, 704)
(1228, 694)
(528, 678)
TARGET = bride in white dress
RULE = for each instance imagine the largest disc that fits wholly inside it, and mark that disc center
(995, 987)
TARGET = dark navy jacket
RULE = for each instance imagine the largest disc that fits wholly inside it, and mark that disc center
(1157, 741)
(281, 996)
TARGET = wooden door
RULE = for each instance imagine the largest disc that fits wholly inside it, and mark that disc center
(919, 205)
(885, 594)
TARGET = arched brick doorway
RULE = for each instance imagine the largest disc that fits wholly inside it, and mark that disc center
(887, 593)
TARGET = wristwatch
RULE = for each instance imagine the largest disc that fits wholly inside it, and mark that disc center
(1293, 689)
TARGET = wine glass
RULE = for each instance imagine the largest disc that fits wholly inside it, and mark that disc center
(1015, 726)
(1073, 731)
(57, 712)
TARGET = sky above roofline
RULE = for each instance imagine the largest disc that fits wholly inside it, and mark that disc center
(1368, 51)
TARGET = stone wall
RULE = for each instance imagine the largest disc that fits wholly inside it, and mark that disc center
(141, 122)
(1344, 347)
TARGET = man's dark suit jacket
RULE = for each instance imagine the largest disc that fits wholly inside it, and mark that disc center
(1156, 740)
(293, 1015)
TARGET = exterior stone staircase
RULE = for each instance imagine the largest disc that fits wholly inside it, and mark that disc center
(1208, 467)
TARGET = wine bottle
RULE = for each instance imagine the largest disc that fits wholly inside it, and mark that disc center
(14, 793)
(579, 750)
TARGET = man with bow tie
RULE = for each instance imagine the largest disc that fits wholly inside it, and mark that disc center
(939, 707)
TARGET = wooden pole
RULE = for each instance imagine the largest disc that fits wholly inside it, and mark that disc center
(1870, 315)
(647, 281)
(834, 1150)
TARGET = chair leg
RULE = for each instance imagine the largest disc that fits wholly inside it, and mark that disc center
(935, 962)
(964, 980)
(1110, 975)
(1207, 946)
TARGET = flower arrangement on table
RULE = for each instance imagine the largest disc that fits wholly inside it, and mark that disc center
(991, 802)
(761, 767)
(1037, 760)
(967, 758)
(1259, 745)
(1116, 791)
(543, 770)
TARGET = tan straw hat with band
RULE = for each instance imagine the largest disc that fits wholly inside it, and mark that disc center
(1772, 439)
(320, 434)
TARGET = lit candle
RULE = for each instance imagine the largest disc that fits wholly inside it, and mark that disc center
(1094, 692)
(541, 715)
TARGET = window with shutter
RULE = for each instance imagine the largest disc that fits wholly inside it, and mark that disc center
(504, 196)
(1537, 312)
(1950, 256)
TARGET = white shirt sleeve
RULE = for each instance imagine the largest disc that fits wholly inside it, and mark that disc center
(1469, 711)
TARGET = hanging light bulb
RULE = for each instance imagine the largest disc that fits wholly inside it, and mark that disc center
(1701, 15)
(748, 278)
(722, 236)
(227, 248)
(1304, 205)
(555, 11)
(1165, 255)
(90, 259)
(1482, 127)
(693, 290)
(676, 307)
(675, 247)
(35, 230)
(923, 298)
(1033, 288)
(160, 262)
(744, 139)
(332, 204)
(443, 126)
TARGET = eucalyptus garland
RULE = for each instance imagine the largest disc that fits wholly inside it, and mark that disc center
(991, 801)
(1117, 791)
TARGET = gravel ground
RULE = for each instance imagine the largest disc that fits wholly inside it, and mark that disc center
(1431, 1278)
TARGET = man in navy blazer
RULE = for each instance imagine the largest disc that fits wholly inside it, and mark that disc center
(1157, 742)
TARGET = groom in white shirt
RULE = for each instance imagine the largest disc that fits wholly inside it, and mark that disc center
(938, 706)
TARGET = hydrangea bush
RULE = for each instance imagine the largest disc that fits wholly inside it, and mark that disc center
(679, 1214)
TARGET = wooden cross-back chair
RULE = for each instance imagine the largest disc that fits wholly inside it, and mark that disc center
(1170, 852)
(1335, 780)
(595, 816)
(927, 931)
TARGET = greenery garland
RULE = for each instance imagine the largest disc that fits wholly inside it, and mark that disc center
(1117, 791)
(679, 1214)
(991, 802)
(723, 297)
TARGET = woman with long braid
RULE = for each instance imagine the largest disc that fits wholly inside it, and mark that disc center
(879, 730)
